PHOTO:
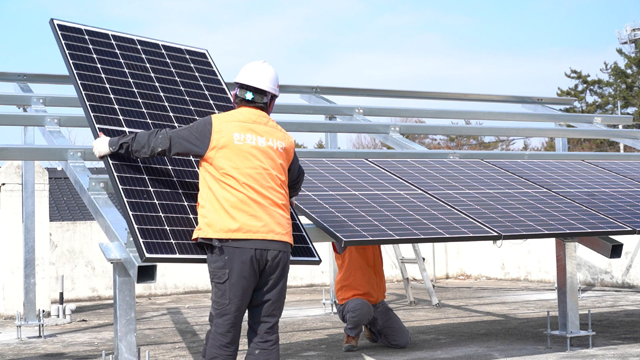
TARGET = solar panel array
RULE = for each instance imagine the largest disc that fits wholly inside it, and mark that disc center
(129, 84)
(511, 206)
(592, 186)
(359, 203)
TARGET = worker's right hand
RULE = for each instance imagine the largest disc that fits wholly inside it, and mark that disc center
(101, 146)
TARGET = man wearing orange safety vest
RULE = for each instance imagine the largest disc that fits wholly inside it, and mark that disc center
(360, 290)
(249, 175)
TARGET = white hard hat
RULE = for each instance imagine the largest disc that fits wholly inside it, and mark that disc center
(261, 75)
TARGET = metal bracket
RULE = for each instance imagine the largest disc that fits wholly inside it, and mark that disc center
(453, 156)
(113, 251)
(37, 102)
(75, 155)
(100, 184)
(358, 111)
(52, 122)
(394, 130)
(603, 245)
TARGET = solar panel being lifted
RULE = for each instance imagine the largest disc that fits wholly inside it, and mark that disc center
(601, 190)
(511, 206)
(357, 203)
(128, 84)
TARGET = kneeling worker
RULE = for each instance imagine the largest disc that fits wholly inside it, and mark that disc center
(360, 290)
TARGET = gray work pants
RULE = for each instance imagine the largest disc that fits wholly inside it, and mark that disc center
(383, 323)
(245, 279)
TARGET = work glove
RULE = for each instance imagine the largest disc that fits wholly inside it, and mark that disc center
(292, 202)
(101, 146)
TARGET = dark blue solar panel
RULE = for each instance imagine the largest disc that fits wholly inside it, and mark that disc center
(595, 187)
(629, 169)
(358, 203)
(128, 84)
(566, 175)
(511, 206)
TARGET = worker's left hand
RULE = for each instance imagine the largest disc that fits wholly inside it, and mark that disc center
(292, 202)
(101, 146)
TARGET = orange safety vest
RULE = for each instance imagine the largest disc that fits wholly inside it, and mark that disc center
(360, 274)
(244, 191)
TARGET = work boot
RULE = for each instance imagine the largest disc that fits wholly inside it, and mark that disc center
(350, 343)
(370, 335)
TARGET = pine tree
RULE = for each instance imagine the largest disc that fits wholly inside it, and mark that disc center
(319, 144)
(299, 145)
(619, 85)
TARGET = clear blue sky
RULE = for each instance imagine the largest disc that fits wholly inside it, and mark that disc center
(493, 47)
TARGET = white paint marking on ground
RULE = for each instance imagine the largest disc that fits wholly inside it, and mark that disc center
(290, 312)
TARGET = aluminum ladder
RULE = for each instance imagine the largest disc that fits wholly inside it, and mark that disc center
(419, 260)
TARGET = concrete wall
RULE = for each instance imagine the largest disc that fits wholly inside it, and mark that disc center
(11, 244)
(87, 275)
(71, 249)
(531, 260)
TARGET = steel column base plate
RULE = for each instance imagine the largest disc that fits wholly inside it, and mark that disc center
(569, 336)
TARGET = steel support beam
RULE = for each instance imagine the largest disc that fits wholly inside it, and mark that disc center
(382, 128)
(46, 152)
(391, 137)
(567, 277)
(399, 129)
(458, 154)
(338, 91)
(350, 110)
(567, 291)
(29, 217)
(49, 100)
(331, 138)
(603, 245)
(631, 143)
(375, 111)
(547, 110)
(84, 153)
(56, 79)
(422, 95)
(124, 313)
(35, 119)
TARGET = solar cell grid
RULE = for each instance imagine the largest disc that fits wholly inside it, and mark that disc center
(511, 206)
(455, 175)
(566, 175)
(357, 202)
(622, 205)
(592, 186)
(629, 169)
(130, 84)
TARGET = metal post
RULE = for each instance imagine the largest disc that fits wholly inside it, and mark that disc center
(331, 139)
(124, 313)
(566, 265)
(433, 259)
(333, 272)
(29, 213)
(29, 230)
(589, 330)
(548, 330)
(561, 143)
